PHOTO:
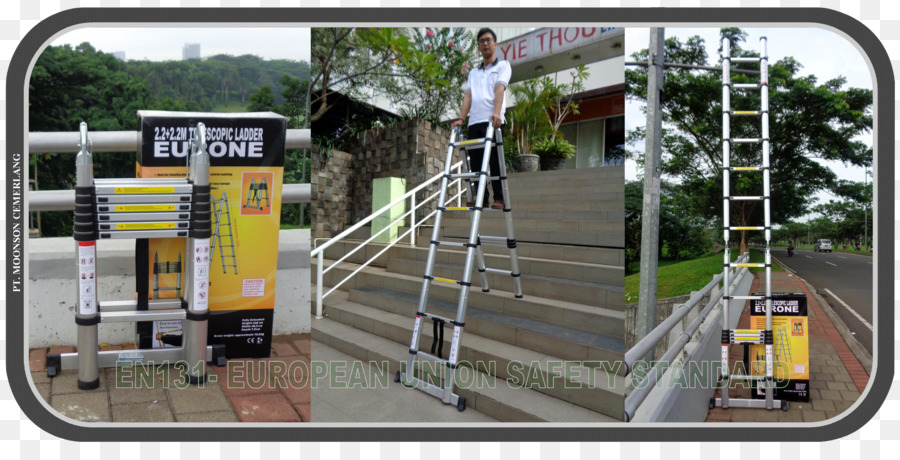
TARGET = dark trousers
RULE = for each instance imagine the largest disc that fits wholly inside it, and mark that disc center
(476, 156)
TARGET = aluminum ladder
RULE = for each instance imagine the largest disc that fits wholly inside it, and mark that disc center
(141, 209)
(409, 376)
(221, 232)
(258, 193)
(746, 336)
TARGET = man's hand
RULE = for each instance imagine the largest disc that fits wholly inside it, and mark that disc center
(456, 123)
(495, 120)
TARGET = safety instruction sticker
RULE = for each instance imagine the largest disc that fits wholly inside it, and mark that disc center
(146, 226)
(201, 274)
(254, 287)
(454, 346)
(87, 283)
(145, 207)
(127, 190)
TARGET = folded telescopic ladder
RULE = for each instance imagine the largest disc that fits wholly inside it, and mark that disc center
(140, 209)
(221, 232)
(474, 250)
(746, 336)
(258, 193)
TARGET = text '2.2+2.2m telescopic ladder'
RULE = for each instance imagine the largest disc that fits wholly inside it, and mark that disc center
(140, 209)
(746, 336)
(443, 390)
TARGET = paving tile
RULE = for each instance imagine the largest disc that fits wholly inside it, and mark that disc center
(222, 416)
(283, 349)
(86, 407)
(850, 395)
(147, 412)
(43, 390)
(834, 395)
(813, 416)
(823, 405)
(303, 345)
(790, 416)
(37, 359)
(305, 411)
(268, 407)
(56, 349)
(39, 377)
(67, 383)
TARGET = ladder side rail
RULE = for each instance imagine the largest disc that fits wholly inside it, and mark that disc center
(87, 313)
(764, 99)
(726, 211)
(507, 214)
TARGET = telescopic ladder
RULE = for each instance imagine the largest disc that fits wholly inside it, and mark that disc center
(141, 209)
(746, 336)
(258, 193)
(474, 250)
(221, 232)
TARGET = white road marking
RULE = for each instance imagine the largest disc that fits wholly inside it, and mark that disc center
(860, 318)
(829, 263)
(808, 257)
(841, 257)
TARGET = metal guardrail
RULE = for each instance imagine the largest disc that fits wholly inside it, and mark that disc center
(646, 345)
(319, 251)
(127, 142)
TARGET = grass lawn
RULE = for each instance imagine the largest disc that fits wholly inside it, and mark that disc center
(682, 278)
(232, 107)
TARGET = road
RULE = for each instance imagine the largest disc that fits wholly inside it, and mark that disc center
(847, 276)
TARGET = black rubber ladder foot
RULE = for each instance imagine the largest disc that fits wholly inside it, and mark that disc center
(712, 403)
(461, 404)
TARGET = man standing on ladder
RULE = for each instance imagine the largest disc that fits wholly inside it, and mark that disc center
(485, 102)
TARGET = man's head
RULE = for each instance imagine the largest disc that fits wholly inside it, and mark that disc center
(487, 43)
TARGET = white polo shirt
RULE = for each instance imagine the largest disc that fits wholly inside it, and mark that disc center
(481, 84)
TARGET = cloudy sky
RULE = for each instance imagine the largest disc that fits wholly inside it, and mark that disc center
(164, 43)
(821, 52)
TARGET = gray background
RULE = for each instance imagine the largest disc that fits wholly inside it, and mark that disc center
(21, 438)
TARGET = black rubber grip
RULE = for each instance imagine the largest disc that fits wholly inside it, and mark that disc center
(87, 321)
(726, 337)
(511, 243)
(201, 316)
(769, 338)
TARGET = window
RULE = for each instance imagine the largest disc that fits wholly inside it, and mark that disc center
(598, 142)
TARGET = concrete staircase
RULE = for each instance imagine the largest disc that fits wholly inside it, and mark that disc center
(550, 356)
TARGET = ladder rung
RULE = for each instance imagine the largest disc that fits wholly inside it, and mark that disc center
(143, 216)
(752, 140)
(432, 357)
(133, 234)
(748, 297)
(746, 168)
(745, 85)
(142, 315)
(745, 59)
(746, 228)
(471, 143)
(444, 280)
(746, 265)
(746, 332)
(436, 317)
(497, 271)
(464, 175)
(148, 199)
(745, 377)
(451, 243)
(746, 198)
(745, 113)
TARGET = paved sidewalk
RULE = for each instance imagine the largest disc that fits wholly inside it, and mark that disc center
(836, 377)
(246, 390)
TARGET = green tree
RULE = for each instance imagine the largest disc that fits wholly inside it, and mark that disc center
(262, 101)
(809, 120)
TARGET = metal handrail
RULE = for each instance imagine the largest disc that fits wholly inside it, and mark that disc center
(643, 388)
(319, 251)
(648, 343)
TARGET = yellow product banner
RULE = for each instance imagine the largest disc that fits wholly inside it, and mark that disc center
(146, 226)
(144, 207)
(130, 190)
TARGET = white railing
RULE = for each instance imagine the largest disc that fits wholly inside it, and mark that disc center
(319, 251)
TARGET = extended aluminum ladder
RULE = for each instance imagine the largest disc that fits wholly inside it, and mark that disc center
(783, 345)
(222, 231)
(408, 376)
(258, 192)
(140, 209)
(746, 336)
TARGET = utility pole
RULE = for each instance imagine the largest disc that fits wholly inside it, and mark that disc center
(646, 313)
(866, 218)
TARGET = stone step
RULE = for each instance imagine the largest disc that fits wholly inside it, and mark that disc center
(373, 335)
(547, 287)
(609, 171)
(524, 188)
(578, 234)
(609, 322)
(575, 271)
(559, 341)
(518, 216)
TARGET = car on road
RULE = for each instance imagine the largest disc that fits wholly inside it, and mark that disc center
(822, 246)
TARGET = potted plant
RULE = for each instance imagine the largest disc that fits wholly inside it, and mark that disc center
(554, 151)
(528, 121)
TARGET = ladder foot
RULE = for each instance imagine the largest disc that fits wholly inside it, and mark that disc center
(461, 404)
(92, 385)
(397, 377)
(520, 296)
(54, 365)
(485, 290)
(784, 406)
(712, 403)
